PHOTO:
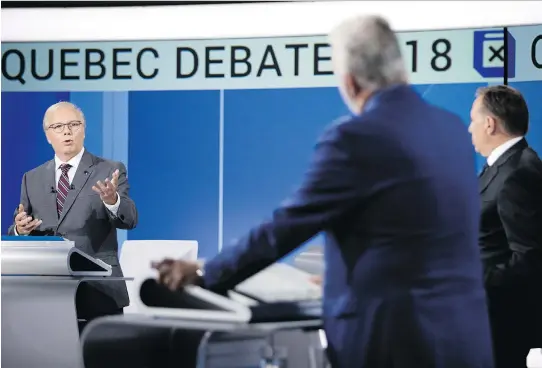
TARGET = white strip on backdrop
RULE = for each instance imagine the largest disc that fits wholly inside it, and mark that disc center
(254, 20)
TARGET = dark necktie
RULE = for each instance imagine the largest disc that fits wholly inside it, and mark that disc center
(62, 188)
(484, 169)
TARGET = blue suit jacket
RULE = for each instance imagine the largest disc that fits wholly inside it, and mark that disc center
(396, 194)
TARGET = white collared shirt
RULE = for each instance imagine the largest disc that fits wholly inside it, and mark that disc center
(500, 150)
(74, 162)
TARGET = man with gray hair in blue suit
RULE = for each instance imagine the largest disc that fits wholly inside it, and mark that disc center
(395, 191)
(83, 198)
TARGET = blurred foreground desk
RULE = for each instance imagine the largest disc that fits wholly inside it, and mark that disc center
(40, 278)
(137, 341)
(197, 328)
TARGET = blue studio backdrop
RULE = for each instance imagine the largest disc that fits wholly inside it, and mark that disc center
(216, 133)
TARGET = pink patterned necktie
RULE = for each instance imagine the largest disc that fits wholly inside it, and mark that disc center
(62, 188)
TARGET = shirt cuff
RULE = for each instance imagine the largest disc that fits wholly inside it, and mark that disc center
(15, 230)
(114, 209)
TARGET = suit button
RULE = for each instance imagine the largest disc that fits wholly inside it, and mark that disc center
(122, 217)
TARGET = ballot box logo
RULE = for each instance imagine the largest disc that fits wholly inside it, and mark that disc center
(490, 54)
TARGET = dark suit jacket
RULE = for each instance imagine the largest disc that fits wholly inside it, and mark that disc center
(85, 219)
(395, 191)
(511, 237)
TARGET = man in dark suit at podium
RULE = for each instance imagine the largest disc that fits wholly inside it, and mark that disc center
(395, 191)
(83, 198)
(510, 230)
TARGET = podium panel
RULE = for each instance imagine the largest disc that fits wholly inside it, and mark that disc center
(39, 282)
(136, 258)
(39, 322)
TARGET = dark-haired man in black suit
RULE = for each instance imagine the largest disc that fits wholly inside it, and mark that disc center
(510, 229)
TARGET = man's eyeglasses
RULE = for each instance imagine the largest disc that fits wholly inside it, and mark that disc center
(59, 127)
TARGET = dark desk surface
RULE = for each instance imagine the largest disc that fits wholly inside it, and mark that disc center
(131, 325)
(136, 340)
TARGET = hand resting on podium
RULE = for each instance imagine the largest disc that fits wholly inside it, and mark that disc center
(279, 282)
(175, 274)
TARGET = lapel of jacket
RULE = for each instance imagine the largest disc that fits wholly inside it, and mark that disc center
(493, 170)
(84, 170)
(487, 177)
(50, 188)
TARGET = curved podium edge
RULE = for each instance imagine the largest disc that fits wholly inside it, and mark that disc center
(81, 264)
(49, 258)
(192, 303)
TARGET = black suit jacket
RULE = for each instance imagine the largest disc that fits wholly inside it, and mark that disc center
(511, 233)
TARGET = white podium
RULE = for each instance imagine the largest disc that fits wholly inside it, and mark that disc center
(136, 258)
(40, 277)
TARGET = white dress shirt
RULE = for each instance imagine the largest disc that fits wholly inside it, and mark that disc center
(500, 150)
(74, 162)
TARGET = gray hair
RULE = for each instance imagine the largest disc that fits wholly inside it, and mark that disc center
(58, 105)
(367, 48)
